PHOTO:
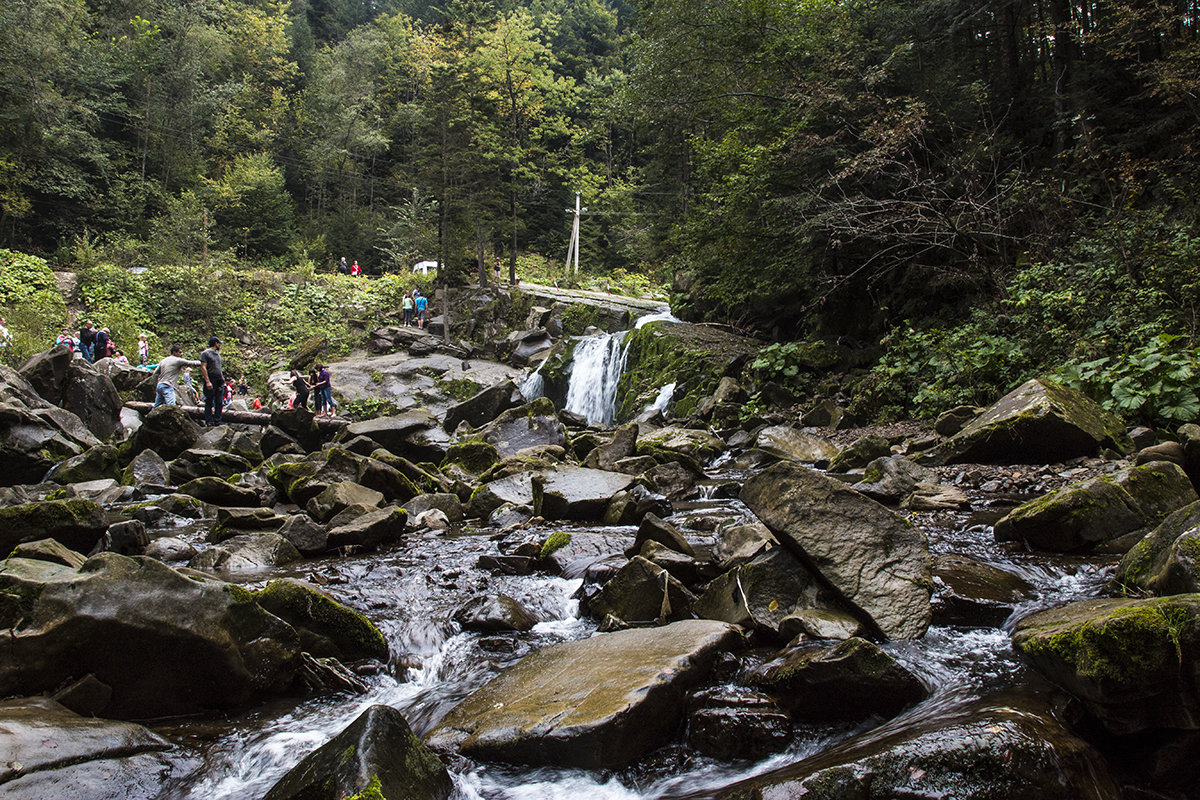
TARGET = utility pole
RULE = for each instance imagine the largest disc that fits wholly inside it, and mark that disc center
(573, 245)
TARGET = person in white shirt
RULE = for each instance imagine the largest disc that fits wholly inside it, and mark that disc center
(167, 373)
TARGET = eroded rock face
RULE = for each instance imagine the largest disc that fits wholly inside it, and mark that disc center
(186, 644)
(877, 561)
(1135, 664)
(1038, 422)
(1005, 746)
(596, 703)
(1100, 509)
(77, 386)
(48, 748)
(35, 435)
(378, 755)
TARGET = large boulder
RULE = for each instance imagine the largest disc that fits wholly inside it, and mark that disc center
(77, 386)
(1038, 422)
(1167, 560)
(76, 523)
(326, 627)
(167, 430)
(1135, 664)
(693, 448)
(761, 593)
(393, 433)
(530, 425)
(597, 703)
(247, 551)
(970, 592)
(369, 530)
(483, 407)
(564, 492)
(1004, 746)
(146, 467)
(196, 463)
(186, 644)
(338, 496)
(876, 560)
(220, 492)
(377, 756)
(35, 435)
(852, 679)
(642, 591)
(94, 464)
(1082, 515)
(50, 751)
(890, 478)
(785, 441)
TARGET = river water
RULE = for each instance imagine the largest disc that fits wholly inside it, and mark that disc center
(412, 591)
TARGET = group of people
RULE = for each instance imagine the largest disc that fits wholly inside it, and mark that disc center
(96, 343)
(353, 270)
(319, 385)
(415, 305)
(216, 387)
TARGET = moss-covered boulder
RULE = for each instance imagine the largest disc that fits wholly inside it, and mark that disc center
(861, 452)
(596, 703)
(326, 627)
(49, 550)
(197, 463)
(1004, 746)
(1085, 514)
(220, 492)
(247, 551)
(167, 430)
(852, 679)
(375, 758)
(692, 448)
(1135, 664)
(1040, 421)
(890, 478)
(147, 467)
(370, 530)
(35, 438)
(475, 457)
(338, 496)
(1167, 560)
(185, 643)
(95, 464)
(75, 523)
(876, 560)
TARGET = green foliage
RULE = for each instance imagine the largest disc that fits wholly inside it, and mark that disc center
(925, 372)
(31, 304)
(554, 541)
(1153, 385)
(789, 364)
(368, 408)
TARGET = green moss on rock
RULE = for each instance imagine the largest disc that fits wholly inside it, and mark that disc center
(555, 541)
(321, 620)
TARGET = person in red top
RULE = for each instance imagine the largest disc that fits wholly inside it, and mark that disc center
(355, 269)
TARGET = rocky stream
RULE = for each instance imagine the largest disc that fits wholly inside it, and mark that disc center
(596, 577)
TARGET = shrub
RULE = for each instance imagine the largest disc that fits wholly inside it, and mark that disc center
(32, 304)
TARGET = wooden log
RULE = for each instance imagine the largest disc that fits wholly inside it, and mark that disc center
(243, 417)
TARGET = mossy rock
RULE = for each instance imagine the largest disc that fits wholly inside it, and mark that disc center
(94, 464)
(555, 541)
(1135, 664)
(326, 627)
(76, 523)
(308, 351)
(1167, 560)
(475, 457)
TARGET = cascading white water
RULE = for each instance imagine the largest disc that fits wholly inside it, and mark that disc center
(663, 399)
(595, 372)
(534, 385)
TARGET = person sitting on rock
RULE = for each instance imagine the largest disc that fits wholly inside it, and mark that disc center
(166, 374)
(66, 339)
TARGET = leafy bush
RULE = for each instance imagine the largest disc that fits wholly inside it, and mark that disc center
(1153, 385)
(788, 364)
(368, 408)
(31, 303)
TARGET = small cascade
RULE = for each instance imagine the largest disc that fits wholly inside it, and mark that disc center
(664, 398)
(595, 372)
(534, 385)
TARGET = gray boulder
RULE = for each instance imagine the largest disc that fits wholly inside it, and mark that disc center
(890, 478)
(147, 467)
(305, 535)
(77, 386)
(370, 530)
(759, 594)
(786, 442)
(196, 463)
(597, 703)
(378, 755)
(861, 452)
(220, 492)
(393, 433)
(642, 591)
(186, 644)
(95, 463)
(730, 722)
(48, 748)
(1082, 515)
(497, 612)
(1038, 422)
(530, 425)
(327, 628)
(337, 496)
(850, 680)
(1004, 746)
(1165, 561)
(247, 551)
(482, 408)
(167, 430)
(970, 592)
(876, 560)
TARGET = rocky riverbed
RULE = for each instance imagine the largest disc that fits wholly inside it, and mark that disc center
(493, 599)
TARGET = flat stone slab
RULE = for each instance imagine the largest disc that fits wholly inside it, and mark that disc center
(597, 703)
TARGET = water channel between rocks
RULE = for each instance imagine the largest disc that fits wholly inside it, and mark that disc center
(412, 591)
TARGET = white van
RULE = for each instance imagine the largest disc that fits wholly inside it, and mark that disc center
(425, 267)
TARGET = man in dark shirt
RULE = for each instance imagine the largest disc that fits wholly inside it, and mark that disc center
(87, 341)
(214, 382)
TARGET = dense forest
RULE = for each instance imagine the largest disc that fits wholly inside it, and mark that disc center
(986, 189)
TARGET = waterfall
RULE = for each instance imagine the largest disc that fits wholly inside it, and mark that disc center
(664, 398)
(595, 371)
(534, 385)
